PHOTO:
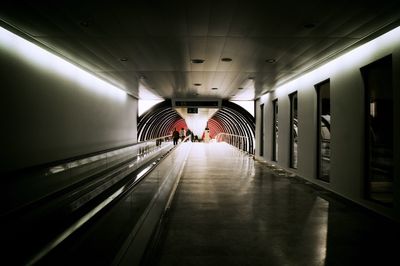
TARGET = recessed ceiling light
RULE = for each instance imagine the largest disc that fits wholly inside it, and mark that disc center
(197, 84)
(270, 61)
(226, 59)
(197, 61)
(123, 59)
(214, 89)
(240, 88)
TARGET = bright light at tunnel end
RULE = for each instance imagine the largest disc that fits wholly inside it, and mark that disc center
(145, 105)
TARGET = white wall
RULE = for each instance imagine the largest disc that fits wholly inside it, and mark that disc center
(51, 110)
(347, 116)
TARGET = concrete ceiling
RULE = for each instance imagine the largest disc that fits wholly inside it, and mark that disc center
(152, 42)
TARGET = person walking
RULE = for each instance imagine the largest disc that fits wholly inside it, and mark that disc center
(175, 136)
(189, 134)
(182, 134)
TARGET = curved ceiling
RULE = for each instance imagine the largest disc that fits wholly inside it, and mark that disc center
(159, 121)
(235, 120)
(153, 42)
(231, 118)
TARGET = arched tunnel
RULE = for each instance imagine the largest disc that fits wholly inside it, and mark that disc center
(231, 119)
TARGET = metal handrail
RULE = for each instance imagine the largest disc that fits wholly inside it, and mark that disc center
(76, 199)
(137, 149)
(77, 169)
(241, 142)
(145, 152)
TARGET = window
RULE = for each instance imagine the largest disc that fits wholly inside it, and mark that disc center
(261, 130)
(275, 131)
(323, 130)
(379, 95)
(293, 130)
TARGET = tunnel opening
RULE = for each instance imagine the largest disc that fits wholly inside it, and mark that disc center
(229, 120)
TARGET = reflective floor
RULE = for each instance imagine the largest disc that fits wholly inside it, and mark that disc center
(231, 210)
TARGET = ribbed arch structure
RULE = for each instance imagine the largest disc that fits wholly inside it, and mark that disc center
(235, 120)
(159, 121)
(231, 118)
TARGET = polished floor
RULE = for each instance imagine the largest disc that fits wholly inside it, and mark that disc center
(231, 210)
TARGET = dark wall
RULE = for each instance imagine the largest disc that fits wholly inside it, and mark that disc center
(51, 111)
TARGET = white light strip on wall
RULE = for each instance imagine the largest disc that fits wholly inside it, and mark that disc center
(350, 60)
(39, 57)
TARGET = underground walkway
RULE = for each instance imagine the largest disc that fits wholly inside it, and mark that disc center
(231, 210)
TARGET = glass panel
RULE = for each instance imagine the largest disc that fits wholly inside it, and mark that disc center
(379, 130)
(275, 131)
(293, 130)
(262, 130)
(324, 130)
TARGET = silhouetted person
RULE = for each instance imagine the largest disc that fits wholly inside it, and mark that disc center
(182, 134)
(175, 136)
(189, 134)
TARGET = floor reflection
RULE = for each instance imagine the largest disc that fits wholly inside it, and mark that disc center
(318, 224)
(229, 210)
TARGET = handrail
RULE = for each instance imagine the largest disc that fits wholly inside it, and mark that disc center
(241, 142)
(83, 156)
(77, 170)
(118, 193)
(81, 183)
